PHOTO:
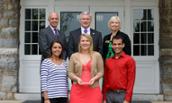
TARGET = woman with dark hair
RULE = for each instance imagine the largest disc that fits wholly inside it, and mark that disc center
(54, 82)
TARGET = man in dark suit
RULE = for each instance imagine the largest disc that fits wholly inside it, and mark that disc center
(50, 33)
(74, 37)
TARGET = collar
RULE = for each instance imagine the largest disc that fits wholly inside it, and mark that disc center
(52, 28)
(82, 30)
(116, 32)
(123, 54)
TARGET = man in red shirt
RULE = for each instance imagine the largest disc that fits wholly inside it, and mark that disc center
(119, 75)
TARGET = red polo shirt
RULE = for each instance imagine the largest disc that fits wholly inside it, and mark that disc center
(119, 74)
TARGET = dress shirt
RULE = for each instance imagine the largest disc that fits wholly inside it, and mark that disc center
(119, 74)
(88, 30)
(53, 29)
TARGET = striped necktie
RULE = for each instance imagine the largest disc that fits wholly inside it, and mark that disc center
(56, 32)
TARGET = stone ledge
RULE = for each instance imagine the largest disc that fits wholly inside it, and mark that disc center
(27, 96)
(161, 101)
(10, 101)
(148, 97)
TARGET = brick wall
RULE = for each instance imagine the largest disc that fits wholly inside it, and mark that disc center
(9, 32)
(166, 47)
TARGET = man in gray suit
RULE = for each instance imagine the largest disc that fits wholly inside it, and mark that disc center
(74, 37)
(49, 34)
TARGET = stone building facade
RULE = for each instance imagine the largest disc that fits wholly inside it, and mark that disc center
(165, 41)
(9, 48)
(9, 34)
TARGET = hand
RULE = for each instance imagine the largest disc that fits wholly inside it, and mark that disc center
(47, 101)
(91, 82)
(79, 81)
(125, 101)
(104, 101)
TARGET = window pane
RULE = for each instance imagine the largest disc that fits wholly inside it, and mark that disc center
(144, 13)
(101, 19)
(27, 25)
(69, 21)
(34, 13)
(143, 50)
(143, 38)
(41, 25)
(150, 26)
(150, 38)
(137, 14)
(27, 49)
(42, 14)
(136, 50)
(150, 13)
(137, 26)
(28, 14)
(136, 38)
(143, 26)
(27, 37)
(34, 49)
(150, 50)
(35, 37)
(34, 25)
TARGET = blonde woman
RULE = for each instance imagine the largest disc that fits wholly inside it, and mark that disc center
(85, 70)
(114, 25)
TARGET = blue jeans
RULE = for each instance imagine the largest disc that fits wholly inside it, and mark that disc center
(117, 96)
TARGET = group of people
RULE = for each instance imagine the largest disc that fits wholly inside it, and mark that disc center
(85, 59)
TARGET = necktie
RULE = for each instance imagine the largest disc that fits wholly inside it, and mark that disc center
(56, 32)
(85, 31)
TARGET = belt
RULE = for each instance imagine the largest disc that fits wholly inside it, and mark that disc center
(119, 91)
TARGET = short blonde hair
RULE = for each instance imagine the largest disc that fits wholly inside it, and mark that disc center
(114, 18)
(91, 43)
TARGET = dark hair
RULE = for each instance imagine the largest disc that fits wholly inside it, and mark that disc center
(118, 37)
(51, 45)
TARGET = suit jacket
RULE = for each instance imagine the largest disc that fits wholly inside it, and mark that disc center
(74, 38)
(106, 39)
(46, 36)
(75, 67)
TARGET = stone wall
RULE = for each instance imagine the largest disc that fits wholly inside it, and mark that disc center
(9, 34)
(166, 47)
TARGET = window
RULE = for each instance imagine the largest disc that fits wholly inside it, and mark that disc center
(101, 21)
(68, 22)
(34, 21)
(143, 35)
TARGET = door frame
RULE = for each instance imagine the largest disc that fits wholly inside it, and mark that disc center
(29, 65)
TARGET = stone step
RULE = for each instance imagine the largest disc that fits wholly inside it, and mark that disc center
(161, 101)
(10, 101)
